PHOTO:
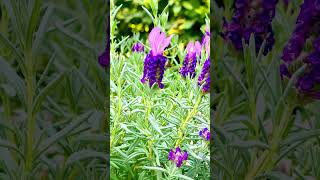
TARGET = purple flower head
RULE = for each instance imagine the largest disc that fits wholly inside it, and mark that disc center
(154, 62)
(251, 17)
(205, 134)
(204, 78)
(104, 58)
(190, 61)
(284, 71)
(177, 157)
(137, 47)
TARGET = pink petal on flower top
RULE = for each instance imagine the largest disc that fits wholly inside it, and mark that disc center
(198, 48)
(153, 37)
(165, 43)
(159, 41)
(190, 47)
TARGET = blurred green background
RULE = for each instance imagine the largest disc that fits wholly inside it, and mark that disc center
(186, 17)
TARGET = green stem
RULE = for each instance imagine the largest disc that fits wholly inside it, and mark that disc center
(30, 115)
(117, 119)
(190, 115)
(266, 159)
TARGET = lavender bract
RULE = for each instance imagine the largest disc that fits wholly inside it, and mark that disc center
(190, 61)
(204, 77)
(251, 17)
(205, 134)
(177, 157)
(137, 47)
(154, 63)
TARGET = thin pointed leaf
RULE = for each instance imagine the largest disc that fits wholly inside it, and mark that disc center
(45, 91)
(63, 133)
(12, 77)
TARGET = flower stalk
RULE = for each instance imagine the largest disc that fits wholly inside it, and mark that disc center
(30, 115)
(184, 123)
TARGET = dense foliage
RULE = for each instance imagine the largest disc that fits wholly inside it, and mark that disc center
(52, 90)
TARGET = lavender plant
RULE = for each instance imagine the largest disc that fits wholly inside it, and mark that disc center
(156, 119)
(265, 108)
(51, 89)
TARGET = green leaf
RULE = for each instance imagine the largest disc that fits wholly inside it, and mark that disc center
(8, 89)
(183, 177)
(13, 49)
(12, 77)
(9, 145)
(32, 22)
(236, 77)
(148, 12)
(42, 28)
(249, 144)
(92, 138)
(76, 37)
(14, 17)
(187, 5)
(63, 133)
(292, 81)
(86, 154)
(46, 69)
(301, 136)
(155, 124)
(8, 159)
(45, 91)
(155, 168)
(96, 97)
(65, 23)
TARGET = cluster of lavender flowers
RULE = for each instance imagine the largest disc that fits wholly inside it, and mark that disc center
(251, 17)
(307, 84)
(178, 157)
(154, 63)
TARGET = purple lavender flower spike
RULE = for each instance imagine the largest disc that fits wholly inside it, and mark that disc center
(204, 77)
(177, 157)
(154, 63)
(137, 47)
(205, 134)
(251, 17)
(190, 61)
